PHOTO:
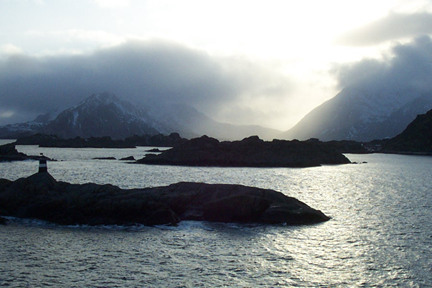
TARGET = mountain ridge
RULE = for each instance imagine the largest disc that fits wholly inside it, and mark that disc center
(104, 114)
(361, 115)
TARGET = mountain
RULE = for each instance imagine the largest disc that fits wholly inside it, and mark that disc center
(14, 131)
(101, 115)
(361, 115)
(106, 115)
(191, 123)
(416, 138)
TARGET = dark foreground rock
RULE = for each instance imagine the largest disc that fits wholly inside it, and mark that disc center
(40, 196)
(2, 221)
(249, 152)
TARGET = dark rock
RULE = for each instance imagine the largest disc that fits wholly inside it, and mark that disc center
(128, 158)
(154, 150)
(158, 140)
(415, 139)
(250, 152)
(3, 221)
(9, 153)
(41, 196)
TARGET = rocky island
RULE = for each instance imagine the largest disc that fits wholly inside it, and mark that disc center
(249, 152)
(40, 196)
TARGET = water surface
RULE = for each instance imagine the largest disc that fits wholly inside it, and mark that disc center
(380, 234)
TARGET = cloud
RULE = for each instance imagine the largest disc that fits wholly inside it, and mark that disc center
(392, 27)
(138, 71)
(10, 49)
(76, 35)
(406, 73)
(113, 4)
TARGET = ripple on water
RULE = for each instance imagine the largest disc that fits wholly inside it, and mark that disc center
(379, 234)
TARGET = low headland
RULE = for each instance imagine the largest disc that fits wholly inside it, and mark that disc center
(40, 196)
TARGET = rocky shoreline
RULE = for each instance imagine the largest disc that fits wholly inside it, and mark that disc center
(40, 196)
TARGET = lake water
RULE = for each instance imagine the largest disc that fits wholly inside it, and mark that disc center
(380, 234)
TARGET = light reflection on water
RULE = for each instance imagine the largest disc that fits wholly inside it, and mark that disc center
(379, 234)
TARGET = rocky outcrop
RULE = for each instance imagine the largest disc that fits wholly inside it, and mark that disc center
(250, 152)
(41, 196)
(9, 153)
(415, 139)
(129, 158)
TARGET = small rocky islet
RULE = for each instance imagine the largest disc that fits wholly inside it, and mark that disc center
(40, 196)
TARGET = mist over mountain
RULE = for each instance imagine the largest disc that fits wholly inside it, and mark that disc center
(104, 114)
(190, 123)
(147, 72)
(379, 98)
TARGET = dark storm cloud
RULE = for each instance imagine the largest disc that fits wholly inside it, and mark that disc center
(408, 69)
(136, 71)
(393, 26)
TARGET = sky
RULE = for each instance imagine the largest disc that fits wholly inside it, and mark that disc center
(243, 62)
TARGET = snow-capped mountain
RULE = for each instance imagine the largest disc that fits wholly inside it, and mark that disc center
(362, 115)
(13, 131)
(101, 115)
(106, 115)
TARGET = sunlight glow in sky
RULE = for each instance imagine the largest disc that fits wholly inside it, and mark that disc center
(301, 40)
